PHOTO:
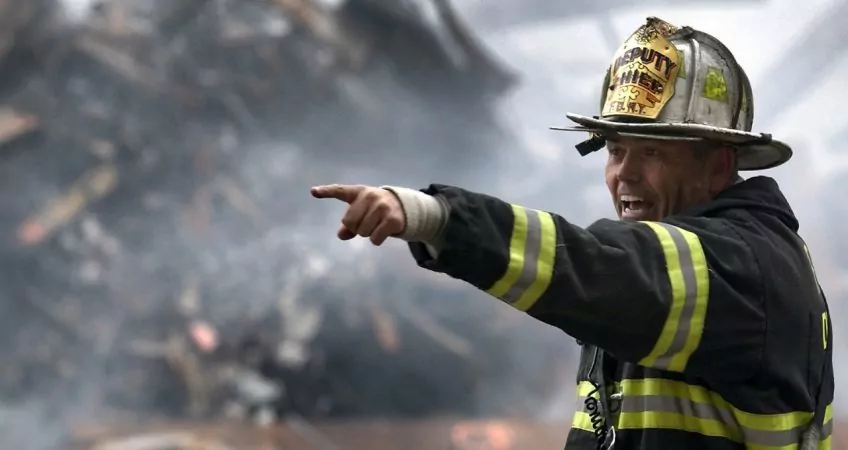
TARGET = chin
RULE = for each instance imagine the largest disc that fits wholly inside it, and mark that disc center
(637, 217)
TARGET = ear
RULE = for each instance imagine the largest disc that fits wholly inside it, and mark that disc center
(722, 168)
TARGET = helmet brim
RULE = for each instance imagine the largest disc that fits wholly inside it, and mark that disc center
(754, 151)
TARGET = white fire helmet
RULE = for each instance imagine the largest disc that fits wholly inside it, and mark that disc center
(677, 83)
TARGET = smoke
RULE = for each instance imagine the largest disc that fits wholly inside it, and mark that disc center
(164, 257)
(29, 425)
(78, 11)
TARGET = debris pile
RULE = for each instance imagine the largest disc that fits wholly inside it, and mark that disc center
(417, 435)
(158, 252)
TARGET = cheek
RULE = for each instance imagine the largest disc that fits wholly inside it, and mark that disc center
(684, 189)
(611, 179)
(656, 179)
(665, 185)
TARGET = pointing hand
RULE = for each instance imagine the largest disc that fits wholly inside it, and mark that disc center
(373, 212)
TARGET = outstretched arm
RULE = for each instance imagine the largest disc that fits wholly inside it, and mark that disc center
(653, 293)
(682, 294)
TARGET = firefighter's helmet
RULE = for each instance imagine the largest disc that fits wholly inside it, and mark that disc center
(677, 83)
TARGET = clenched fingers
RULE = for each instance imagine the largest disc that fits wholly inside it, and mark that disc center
(377, 212)
(382, 232)
(355, 213)
(345, 234)
(392, 223)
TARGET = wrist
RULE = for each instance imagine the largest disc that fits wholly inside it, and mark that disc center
(426, 215)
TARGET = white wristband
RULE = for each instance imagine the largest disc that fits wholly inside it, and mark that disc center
(426, 215)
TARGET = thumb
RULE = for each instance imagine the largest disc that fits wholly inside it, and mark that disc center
(344, 192)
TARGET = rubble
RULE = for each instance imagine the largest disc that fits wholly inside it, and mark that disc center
(157, 258)
(413, 435)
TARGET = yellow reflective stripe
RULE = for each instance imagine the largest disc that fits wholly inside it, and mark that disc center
(824, 330)
(667, 404)
(688, 277)
(827, 427)
(532, 253)
(826, 443)
(828, 414)
(517, 243)
(810, 260)
(678, 292)
(585, 387)
(582, 421)
(544, 264)
(663, 420)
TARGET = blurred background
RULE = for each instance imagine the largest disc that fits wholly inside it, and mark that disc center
(169, 283)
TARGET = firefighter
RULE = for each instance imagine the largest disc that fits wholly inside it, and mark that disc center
(701, 321)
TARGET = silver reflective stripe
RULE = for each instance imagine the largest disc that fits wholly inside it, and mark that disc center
(827, 428)
(674, 405)
(532, 248)
(688, 278)
(530, 259)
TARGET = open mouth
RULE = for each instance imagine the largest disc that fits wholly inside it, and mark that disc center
(633, 207)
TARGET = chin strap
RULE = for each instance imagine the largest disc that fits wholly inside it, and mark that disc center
(593, 144)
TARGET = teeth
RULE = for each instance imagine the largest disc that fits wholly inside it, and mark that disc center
(631, 198)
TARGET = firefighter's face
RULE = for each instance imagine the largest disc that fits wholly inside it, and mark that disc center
(652, 179)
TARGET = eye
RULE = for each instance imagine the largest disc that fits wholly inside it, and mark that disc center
(652, 152)
(614, 152)
(616, 155)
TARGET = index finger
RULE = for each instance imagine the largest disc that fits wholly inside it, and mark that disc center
(344, 192)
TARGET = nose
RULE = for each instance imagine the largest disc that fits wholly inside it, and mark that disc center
(629, 169)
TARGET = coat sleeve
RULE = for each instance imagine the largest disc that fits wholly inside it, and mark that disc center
(682, 294)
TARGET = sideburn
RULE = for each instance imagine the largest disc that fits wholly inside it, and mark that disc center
(718, 161)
